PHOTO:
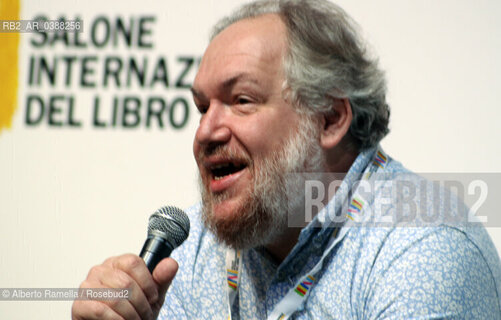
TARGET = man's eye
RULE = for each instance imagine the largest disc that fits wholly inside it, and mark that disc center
(243, 100)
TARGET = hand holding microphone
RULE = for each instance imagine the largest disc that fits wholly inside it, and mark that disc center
(148, 278)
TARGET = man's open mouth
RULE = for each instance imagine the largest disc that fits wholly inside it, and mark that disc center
(222, 170)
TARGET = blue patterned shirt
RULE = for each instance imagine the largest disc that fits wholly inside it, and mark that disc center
(436, 272)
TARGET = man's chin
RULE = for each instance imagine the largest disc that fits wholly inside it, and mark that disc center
(237, 227)
(225, 210)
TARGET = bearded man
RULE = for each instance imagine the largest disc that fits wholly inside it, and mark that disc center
(287, 87)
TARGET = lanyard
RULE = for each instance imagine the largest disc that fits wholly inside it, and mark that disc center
(233, 269)
(298, 294)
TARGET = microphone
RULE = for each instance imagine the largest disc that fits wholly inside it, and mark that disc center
(168, 227)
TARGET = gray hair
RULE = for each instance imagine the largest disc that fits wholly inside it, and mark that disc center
(326, 59)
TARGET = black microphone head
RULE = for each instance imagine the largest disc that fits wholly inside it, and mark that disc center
(171, 221)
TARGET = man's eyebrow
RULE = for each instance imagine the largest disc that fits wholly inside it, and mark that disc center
(238, 77)
(227, 84)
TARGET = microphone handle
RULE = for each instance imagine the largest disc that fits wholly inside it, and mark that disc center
(154, 250)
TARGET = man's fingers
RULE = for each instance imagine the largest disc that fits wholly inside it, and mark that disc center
(117, 278)
(135, 267)
(123, 307)
(123, 272)
(147, 292)
(93, 310)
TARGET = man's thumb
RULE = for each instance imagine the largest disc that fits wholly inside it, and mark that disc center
(164, 273)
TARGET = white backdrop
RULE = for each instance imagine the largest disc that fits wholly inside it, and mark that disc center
(70, 197)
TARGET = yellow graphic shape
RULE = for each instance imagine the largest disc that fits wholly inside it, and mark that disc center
(9, 43)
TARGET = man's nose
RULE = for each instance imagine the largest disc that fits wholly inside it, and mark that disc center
(213, 127)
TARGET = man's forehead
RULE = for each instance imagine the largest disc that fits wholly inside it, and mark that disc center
(246, 51)
(263, 35)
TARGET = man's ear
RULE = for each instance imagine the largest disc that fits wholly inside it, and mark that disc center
(336, 123)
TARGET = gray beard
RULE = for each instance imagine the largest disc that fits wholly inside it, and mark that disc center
(275, 193)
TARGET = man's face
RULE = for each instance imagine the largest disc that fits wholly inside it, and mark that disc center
(246, 129)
